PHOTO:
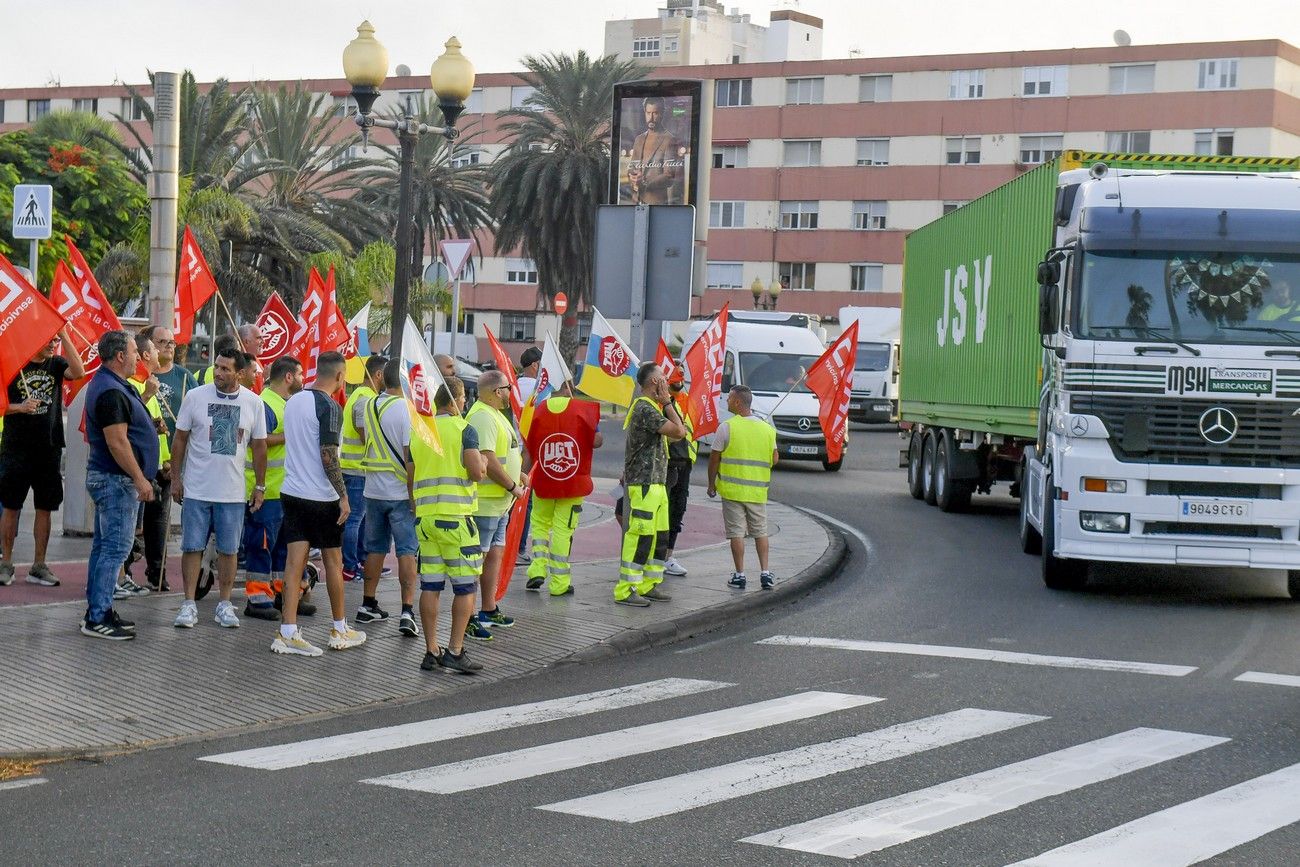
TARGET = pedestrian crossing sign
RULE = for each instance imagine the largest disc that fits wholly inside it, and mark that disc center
(33, 212)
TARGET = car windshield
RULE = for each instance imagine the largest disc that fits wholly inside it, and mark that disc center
(1194, 297)
(872, 356)
(774, 371)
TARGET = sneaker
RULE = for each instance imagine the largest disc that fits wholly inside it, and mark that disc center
(261, 611)
(523, 560)
(351, 575)
(386, 572)
(634, 599)
(117, 621)
(657, 594)
(106, 628)
(534, 583)
(132, 588)
(188, 617)
(159, 586)
(41, 574)
(493, 619)
(408, 625)
(120, 592)
(296, 645)
(737, 580)
(369, 614)
(344, 640)
(6, 574)
(766, 581)
(226, 615)
(461, 663)
(431, 661)
(475, 630)
(673, 568)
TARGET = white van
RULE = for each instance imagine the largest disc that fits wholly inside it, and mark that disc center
(878, 328)
(770, 352)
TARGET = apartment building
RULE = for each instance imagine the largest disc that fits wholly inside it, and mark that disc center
(821, 167)
(703, 32)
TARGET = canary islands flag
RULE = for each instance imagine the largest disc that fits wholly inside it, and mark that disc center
(609, 370)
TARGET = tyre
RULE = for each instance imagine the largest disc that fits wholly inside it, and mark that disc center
(1058, 574)
(927, 469)
(1031, 541)
(1293, 583)
(914, 448)
(950, 495)
(832, 466)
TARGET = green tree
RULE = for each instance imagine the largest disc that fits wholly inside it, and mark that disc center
(551, 178)
(368, 277)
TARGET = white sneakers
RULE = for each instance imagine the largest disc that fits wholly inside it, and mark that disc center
(226, 615)
(673, 568)
(349, 638)
(295, 645)
(188, 616)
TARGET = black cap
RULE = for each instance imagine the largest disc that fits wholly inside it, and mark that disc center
(531, 355)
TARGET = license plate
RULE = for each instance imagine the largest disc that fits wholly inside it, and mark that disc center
(803, 450)
(1227, 511)
(855, 406)
(881, 407)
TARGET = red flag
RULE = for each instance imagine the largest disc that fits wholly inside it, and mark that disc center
(831, 379)
(514, 535)
(276, 324)
(88, 314)
(335, 334)
(704, 362)
(306, 338)
(502, 360)
(27, 322)
(664, 358)
(195, 286)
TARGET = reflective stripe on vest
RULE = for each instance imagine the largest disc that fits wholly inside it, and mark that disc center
(442, 485)
(380, 457)
(274, 454)
(352, 449)
(501, 447)
(745, 470)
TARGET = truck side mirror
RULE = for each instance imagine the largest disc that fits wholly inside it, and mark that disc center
(1049, 308)
(1049, 272)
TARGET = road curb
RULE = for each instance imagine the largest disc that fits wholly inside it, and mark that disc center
(822, 571)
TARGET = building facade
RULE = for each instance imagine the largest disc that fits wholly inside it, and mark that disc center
(703, 32)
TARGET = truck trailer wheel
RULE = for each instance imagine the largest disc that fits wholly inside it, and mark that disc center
(1031, 542)
(927, 468)
(832, 466)
(950, 495)
(1293, 583)
(1058, 574)
(915, 447)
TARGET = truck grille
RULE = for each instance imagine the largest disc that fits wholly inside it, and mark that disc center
(1165, 430)
(1239, 531)
(789, 424)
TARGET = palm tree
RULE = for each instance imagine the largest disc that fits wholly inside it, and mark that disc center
(548, 183)
(81, 128)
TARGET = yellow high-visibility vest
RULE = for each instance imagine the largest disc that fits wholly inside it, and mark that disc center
(352, 450)
(501, 446)
(746, 469)
(380, 457)
(274, 454)
(442, 485)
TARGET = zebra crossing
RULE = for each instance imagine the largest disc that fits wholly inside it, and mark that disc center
(1185, 833)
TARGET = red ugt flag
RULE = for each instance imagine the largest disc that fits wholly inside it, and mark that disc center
(704, 361)
(276, 323)
(831, 379)
(27, 322)
(664, 359)
(195, 286)
(502, 359)
(88, 314)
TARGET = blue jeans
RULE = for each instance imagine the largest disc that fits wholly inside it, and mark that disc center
(390, 523)
(203, 518)
(266, 551)
(354, 549)
(115, 513)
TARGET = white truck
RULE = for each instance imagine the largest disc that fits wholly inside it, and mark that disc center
(871, 400)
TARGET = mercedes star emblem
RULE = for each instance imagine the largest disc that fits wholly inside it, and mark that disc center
(1218, 426)
(1078, 425)
(805, 424)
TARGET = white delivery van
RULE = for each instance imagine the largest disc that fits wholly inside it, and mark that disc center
(770, 352)
(878, 330)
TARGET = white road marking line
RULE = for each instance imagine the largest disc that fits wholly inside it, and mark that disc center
(1191, 832)
(870, 828)
(565, 755)
(984, 654)
(362, 743)
(711, 785)
(1266, 677)
(22, 784)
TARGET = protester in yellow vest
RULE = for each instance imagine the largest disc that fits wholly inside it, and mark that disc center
(153, 535)
(740, 469)
(444, 486)
(352, 455)
(681, 460)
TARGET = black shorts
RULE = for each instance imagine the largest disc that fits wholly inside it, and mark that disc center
(311, 521)
(37, 472)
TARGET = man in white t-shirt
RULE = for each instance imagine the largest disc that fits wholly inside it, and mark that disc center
(217, 425)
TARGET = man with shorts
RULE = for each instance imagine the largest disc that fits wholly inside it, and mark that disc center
(740, 469)
(31, 450)
(390, 518)
(218, 425)
(315, 504)
(444, 488)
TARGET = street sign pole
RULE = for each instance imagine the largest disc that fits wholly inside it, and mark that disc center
(455, 312)
(33, 252)
(640, 249)
(455, 253)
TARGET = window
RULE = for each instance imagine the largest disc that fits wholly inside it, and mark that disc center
(802, 152)
(726, 215)
(521, 271)
(670, 46)
(803, 91)
(730, 156)
(1214, 142)
(37, 109)
(474, 105)
(870, 215)
(873, 151)
(797, 275)
(519, 94)
(867, 277)
(733, 91)
(466, 324)
(1045, 80)
(962, 150)
(584, 327)
(798, 215)
(90, 105)
(1040, 148)
(344, 106)
(966, 84)
(1138, 78)
(2, 111)
(519, 326)
(949, 207)
(409, 100)
(646, 46)
(875, 88)
(1128, 142)
(1216, 75)
(462, 158)
(725, 275)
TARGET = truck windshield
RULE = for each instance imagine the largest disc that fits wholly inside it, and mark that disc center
(872, 357)
(774, 371)
(1205, 297)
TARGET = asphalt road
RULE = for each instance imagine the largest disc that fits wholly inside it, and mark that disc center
(988, 727)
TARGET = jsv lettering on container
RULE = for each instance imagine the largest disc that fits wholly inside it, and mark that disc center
(956, 305)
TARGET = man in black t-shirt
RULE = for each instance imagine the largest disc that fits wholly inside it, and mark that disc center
(31, 450)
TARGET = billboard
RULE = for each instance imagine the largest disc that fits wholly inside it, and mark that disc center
(656, 136)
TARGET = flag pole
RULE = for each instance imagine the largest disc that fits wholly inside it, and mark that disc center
(772, 413)
(229, 316)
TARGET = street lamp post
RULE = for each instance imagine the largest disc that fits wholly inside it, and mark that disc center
(365, 65)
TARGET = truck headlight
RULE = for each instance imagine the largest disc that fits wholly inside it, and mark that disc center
(1104, 522)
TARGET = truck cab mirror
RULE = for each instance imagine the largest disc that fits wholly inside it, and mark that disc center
(1049, 272)
(1049, 308)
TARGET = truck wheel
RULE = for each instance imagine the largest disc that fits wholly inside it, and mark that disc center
(1058, 574)
(927, 469)
(950, 495)
(1293, 583)
(832, 466)
(914, 465)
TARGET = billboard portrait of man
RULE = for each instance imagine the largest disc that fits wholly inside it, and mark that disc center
(655, 162)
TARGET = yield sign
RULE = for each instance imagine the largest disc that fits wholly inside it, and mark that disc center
(455, 253)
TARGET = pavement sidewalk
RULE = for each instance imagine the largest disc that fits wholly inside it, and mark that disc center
(65, 694)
